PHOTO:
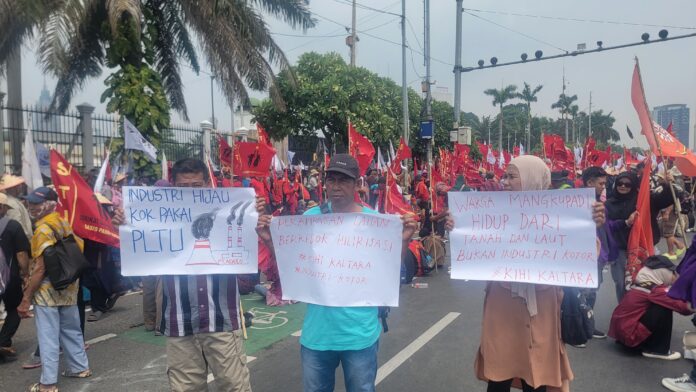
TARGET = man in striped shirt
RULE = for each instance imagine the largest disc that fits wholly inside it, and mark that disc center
(200, 316)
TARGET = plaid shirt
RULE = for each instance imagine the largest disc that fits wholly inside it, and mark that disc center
(195, 304)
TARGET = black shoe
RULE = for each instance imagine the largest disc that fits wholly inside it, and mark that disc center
(598, 334)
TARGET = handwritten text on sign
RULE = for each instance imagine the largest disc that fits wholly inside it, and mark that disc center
(545, 237)
(339, 259)
(188, 231)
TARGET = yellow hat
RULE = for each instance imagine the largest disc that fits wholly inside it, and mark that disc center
(8, 181)
(102, 199)
(119, 177)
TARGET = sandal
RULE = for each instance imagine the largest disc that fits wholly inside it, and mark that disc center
(36, 387)
(82, 374)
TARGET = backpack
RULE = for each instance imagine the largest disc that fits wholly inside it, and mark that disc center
(64, 261)
(5, 267)
(425, 262)
(382, 311)
(577, 317)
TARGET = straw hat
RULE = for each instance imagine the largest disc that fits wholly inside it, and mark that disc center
(102, 199)
(8, 181)
(119, 177)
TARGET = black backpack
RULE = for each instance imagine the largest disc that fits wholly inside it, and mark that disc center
(64, 261)
(577, 317)
(382, 311)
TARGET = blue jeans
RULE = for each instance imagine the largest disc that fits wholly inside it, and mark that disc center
(59, 326)
(359, 369)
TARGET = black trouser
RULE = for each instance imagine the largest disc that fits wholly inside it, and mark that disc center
(504, 386)
(12, 298)
(97, 299)
(658, 320)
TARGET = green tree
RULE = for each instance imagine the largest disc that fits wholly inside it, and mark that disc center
(603, 130)
(529, 95)
(563, 105)
(500, 97)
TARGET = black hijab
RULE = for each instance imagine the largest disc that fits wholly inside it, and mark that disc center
(621, 206)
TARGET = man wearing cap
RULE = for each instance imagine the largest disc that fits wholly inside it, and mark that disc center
(55, 312)
(15, 247)
(12, 186)
(332, 334)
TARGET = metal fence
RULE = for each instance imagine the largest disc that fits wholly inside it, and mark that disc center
(65, 132)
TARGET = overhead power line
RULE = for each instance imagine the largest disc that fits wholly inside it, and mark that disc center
(567, 19)
(517, 32)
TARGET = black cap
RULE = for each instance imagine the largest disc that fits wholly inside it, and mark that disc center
(659, 261)
(344, 164)
(559, 175)
(41, 195)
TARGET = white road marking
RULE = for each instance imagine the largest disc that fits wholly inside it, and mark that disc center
(297, 333)
(211, 377)
(102, 338)
(397, 360)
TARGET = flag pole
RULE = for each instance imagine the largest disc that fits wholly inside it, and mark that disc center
(677, 204)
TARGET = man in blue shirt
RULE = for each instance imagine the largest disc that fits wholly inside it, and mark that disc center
(332, 334)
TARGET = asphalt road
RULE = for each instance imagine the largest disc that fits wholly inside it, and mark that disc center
(431, 346)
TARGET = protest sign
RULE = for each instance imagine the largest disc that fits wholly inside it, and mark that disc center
(188, 231)
(339, 259)
(544, 237)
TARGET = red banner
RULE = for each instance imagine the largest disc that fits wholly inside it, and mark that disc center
(252, 159)
(78, 204)
(225, 152)
(360, 148)
(640, 241)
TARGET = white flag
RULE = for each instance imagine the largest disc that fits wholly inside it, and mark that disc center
(501, 160)
(619, 164)
(578, 155)
(44, 157)
(99, 183)
(392, 155)
(136, 141)
(277, 164)
(521, 149)
(380, 159)
(291, 155)
(490, 158)
(31, 171)
(165, 167)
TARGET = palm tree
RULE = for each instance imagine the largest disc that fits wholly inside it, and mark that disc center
(233, 36)
(563, 105)
(529, 95)
(499, 98)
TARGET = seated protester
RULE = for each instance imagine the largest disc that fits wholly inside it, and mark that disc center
(333, 335)
(643, 319)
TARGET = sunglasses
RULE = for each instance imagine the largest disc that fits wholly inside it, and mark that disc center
(624, 184)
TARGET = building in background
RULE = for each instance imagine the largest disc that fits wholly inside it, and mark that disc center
(41, 121)
(442, 94)
(678, 115)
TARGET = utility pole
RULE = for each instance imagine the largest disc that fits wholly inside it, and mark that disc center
(428, 94)
(565, 118)
(458, 65)
(589, 125)
(212, 102)
(353, 39)
(404, 85)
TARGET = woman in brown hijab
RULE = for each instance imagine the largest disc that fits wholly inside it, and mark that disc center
(521, 342)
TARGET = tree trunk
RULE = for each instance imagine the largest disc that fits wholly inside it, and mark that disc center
(529, 128)
(500, 131)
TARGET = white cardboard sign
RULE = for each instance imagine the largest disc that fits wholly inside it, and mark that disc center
(543, 237)
(339, 259)
(188, 231)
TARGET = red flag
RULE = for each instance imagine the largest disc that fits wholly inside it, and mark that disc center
(394, 202)
(404, 152)
(589, 147)
(263, 136)
(225, 152)
(252, 159)
(639, 103)
(628, 158)
(669, 128)
(360, 148)
(640, 241)
(78, 204)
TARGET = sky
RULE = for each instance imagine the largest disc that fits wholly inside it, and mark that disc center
(502, 28)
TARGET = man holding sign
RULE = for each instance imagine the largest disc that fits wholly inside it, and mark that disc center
(526, 245)
(200, 310)
(349, 333)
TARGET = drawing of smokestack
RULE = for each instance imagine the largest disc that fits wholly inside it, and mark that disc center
(202, 254)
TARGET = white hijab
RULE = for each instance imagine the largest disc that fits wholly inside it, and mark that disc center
(535, 176)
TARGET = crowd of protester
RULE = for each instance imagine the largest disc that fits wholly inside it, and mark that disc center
(514, 315)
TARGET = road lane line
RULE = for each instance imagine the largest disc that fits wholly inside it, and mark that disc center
(397, 360)
(297, 333)
(211, 377)
(102, 338)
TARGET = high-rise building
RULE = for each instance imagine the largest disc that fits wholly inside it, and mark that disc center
(678, 115)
